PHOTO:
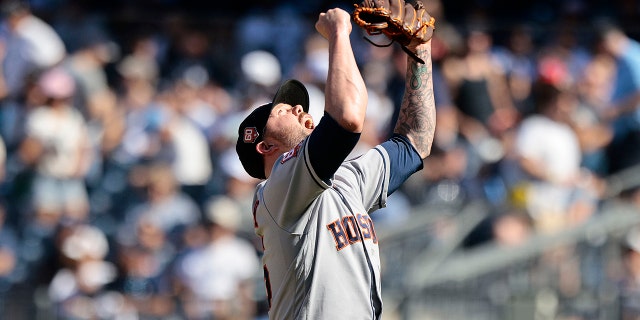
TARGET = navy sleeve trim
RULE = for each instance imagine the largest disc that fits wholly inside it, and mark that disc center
(329, 145)
(404, 160)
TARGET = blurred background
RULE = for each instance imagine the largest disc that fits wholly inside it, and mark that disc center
(121, 195)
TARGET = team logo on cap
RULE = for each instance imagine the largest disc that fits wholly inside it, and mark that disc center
(250, 134)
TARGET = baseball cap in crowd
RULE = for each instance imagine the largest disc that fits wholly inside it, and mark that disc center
(57, 83)
(251, 130)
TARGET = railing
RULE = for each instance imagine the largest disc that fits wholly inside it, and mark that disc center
(570, 273)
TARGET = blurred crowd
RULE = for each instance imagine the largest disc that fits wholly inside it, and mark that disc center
(122, 196)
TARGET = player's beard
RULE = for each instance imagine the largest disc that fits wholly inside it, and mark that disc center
(290, 135)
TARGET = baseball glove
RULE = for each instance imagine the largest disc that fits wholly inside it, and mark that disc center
(403, 23)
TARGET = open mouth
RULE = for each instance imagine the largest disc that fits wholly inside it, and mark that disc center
(306, 120)
(308, 123)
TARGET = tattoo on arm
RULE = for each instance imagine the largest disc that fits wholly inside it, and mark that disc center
(417, 119)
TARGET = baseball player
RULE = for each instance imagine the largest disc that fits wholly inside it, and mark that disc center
(321, 256)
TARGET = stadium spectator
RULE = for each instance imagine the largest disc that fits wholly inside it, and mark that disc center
(56, 144)
(624, 109)
(479, 87)
(188, 119)
(79, 289)
(219, 278)
(31, 45)
(549, 154)
(518, 60)
(144, 260)
(164, 204)
(592, 87)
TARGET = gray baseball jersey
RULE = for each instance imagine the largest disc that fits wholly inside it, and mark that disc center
(321, 256)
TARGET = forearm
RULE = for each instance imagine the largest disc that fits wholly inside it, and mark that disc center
(345, 91)
(417, 119)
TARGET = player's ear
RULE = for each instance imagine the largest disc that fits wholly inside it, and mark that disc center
(264, 148)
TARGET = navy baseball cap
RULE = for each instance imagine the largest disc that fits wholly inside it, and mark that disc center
(251, 130)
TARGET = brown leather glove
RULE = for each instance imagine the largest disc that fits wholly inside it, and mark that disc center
(406, 24)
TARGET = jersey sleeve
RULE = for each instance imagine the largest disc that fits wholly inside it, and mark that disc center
(329, 146)
(368, 177)
(404, 160)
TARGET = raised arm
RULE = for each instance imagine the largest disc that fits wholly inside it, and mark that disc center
(345, 91)
(417, 118)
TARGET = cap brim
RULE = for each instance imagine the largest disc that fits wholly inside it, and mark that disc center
(292, 92)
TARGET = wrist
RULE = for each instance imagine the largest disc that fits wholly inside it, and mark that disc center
(340, 32)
